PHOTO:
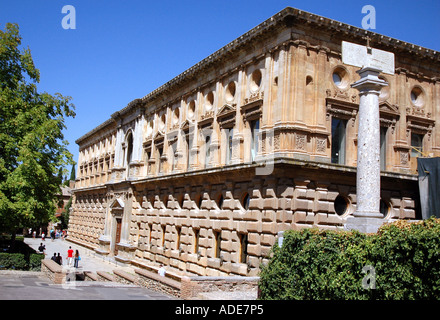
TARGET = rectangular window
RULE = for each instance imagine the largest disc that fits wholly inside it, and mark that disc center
(383, 148)
(174, 158)
(196, 240)
(230, 134)
(338, 140)
(160, 153)
(207, 151)
(217, 244)
(178, 233)
(163, 235)
(243, 247)
(188, 151)
(150, 229)
(138, 233)
(255, 128)
(416, 145)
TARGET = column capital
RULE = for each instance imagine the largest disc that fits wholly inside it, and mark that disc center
(369, 81)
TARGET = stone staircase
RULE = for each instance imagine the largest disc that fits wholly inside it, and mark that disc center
(172, 284)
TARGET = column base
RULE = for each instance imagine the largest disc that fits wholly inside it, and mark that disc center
(364, 224)
(367, 214)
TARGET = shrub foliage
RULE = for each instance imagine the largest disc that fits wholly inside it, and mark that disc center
(319, 264)
(20, 261)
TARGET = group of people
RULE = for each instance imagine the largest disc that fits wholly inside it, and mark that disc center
(71, 257)
(54, 234)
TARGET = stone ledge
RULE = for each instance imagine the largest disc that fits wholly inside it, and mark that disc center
(154, 270)
(156, 282)
(124, 277)
(192, 287)
(52, 265)
(105, 276)
(166, 280)
(53, 271)
(89, 275)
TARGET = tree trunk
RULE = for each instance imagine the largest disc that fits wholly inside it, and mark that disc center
(12, 245)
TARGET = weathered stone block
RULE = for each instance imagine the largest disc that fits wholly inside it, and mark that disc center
(267, 239)
(253, 238)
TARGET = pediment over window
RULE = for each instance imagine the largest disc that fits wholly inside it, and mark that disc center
(158, 135)
(159, 138)
(226, 110)
(186, 125)
(226, 115)
(389, 114)
(341, 109)
(117, 204)
(387, 108)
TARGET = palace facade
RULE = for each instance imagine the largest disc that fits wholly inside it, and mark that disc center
(260, 137)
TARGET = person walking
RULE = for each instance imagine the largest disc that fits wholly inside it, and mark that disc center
(42, 249)
(77, 258)
(69, 256)
(54, 257)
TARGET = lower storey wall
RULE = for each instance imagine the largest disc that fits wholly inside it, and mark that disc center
(212, 228)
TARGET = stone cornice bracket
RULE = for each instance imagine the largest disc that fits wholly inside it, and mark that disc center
(299, 43)
(117, 117)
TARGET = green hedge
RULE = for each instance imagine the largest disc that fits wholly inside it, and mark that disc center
(15, 261)
(35, 261)
(19, 261)
(401, 261)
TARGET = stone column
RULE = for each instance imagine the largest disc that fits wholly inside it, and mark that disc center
(367, 217)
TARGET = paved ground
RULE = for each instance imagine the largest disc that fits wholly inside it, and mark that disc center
(90, 261)
(34, 286)
(24, 285)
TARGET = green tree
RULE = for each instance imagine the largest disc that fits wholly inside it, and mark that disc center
(72, 176)
(32, 145)
(64, 219)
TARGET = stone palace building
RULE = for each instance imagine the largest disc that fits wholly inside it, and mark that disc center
(259, 137)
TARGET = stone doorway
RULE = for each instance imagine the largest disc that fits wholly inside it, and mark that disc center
(117, 235)
(116, 217)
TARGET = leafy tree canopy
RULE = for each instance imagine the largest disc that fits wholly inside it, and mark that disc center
(32, 145)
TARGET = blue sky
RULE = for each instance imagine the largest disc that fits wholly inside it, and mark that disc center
(122, 50)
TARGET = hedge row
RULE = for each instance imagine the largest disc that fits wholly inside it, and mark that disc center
(18, 261)
(401, 261)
